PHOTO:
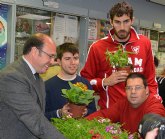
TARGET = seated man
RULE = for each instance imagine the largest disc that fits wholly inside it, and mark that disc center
(56, 104)
(130, 111)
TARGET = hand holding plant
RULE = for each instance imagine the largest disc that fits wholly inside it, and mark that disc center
(79, 97)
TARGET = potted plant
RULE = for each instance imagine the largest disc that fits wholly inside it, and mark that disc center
(79, 96)
(93, 129)
(119, 59)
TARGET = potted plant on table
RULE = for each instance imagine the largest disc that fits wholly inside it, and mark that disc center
(79, 96)
(119, 59)
(93, 129)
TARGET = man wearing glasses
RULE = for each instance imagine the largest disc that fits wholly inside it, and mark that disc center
(22, 93)
(130, 111)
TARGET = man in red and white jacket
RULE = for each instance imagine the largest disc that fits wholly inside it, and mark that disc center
(109, 83)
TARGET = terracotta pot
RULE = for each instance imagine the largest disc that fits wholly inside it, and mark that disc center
(76, 110)
(127, 68)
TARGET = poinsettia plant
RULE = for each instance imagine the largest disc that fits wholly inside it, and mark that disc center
(78, 94)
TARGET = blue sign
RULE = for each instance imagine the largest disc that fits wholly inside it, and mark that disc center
(3, 34)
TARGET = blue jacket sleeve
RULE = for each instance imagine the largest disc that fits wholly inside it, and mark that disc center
(49, 113)
(92, 106)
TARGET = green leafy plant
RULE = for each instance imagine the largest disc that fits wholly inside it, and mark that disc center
(118, 58)
(78, 94)
(94, 129)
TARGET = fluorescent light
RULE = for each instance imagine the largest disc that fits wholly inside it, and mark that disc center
(161, 31)
(48, 23)
(34, 17)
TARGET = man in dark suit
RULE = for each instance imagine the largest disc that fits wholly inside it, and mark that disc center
(22, 93)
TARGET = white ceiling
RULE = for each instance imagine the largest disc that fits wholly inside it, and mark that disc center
(162, 2)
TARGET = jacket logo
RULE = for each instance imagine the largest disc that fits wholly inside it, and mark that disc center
(135, 49)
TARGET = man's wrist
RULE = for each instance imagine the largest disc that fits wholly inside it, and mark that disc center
(104, 83)
(59, 113)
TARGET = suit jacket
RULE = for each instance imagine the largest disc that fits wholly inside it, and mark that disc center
(22, 104)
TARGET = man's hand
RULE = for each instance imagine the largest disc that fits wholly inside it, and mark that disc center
(115, 77)
(152, 134)
(65, 111)
(85, 112)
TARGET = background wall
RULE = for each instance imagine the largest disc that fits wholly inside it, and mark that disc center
(142, 9)
(146, 13)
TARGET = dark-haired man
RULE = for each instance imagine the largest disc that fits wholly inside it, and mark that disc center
(56, 104)
(104, 78)
(130, 111)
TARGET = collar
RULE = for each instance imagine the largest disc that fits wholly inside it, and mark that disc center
(30, 66)
(66, 79)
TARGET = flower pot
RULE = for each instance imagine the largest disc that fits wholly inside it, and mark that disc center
(127, 68)
(76, 110)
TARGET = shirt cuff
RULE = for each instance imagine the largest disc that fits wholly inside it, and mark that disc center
(58, 112)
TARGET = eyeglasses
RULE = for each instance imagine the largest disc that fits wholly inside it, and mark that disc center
(137, 88)
(51, 56)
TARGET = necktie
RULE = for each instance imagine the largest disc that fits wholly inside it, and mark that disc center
(36, 75)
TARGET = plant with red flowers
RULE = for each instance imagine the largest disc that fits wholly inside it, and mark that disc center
(93, 129)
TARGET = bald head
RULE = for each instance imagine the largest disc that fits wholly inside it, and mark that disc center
(37, 40)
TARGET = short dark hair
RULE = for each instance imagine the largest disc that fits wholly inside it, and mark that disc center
(66, 47)
(156, 61)
(36, 40)
(137, 75)
(120, 9)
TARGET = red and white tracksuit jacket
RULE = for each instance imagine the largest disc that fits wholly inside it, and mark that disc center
(97, 67)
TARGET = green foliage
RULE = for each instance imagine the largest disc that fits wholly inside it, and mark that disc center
(118, 58)
(78, 94)
(84, 129)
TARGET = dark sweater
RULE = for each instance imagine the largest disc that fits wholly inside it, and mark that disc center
(54, 98)
(161, 86)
